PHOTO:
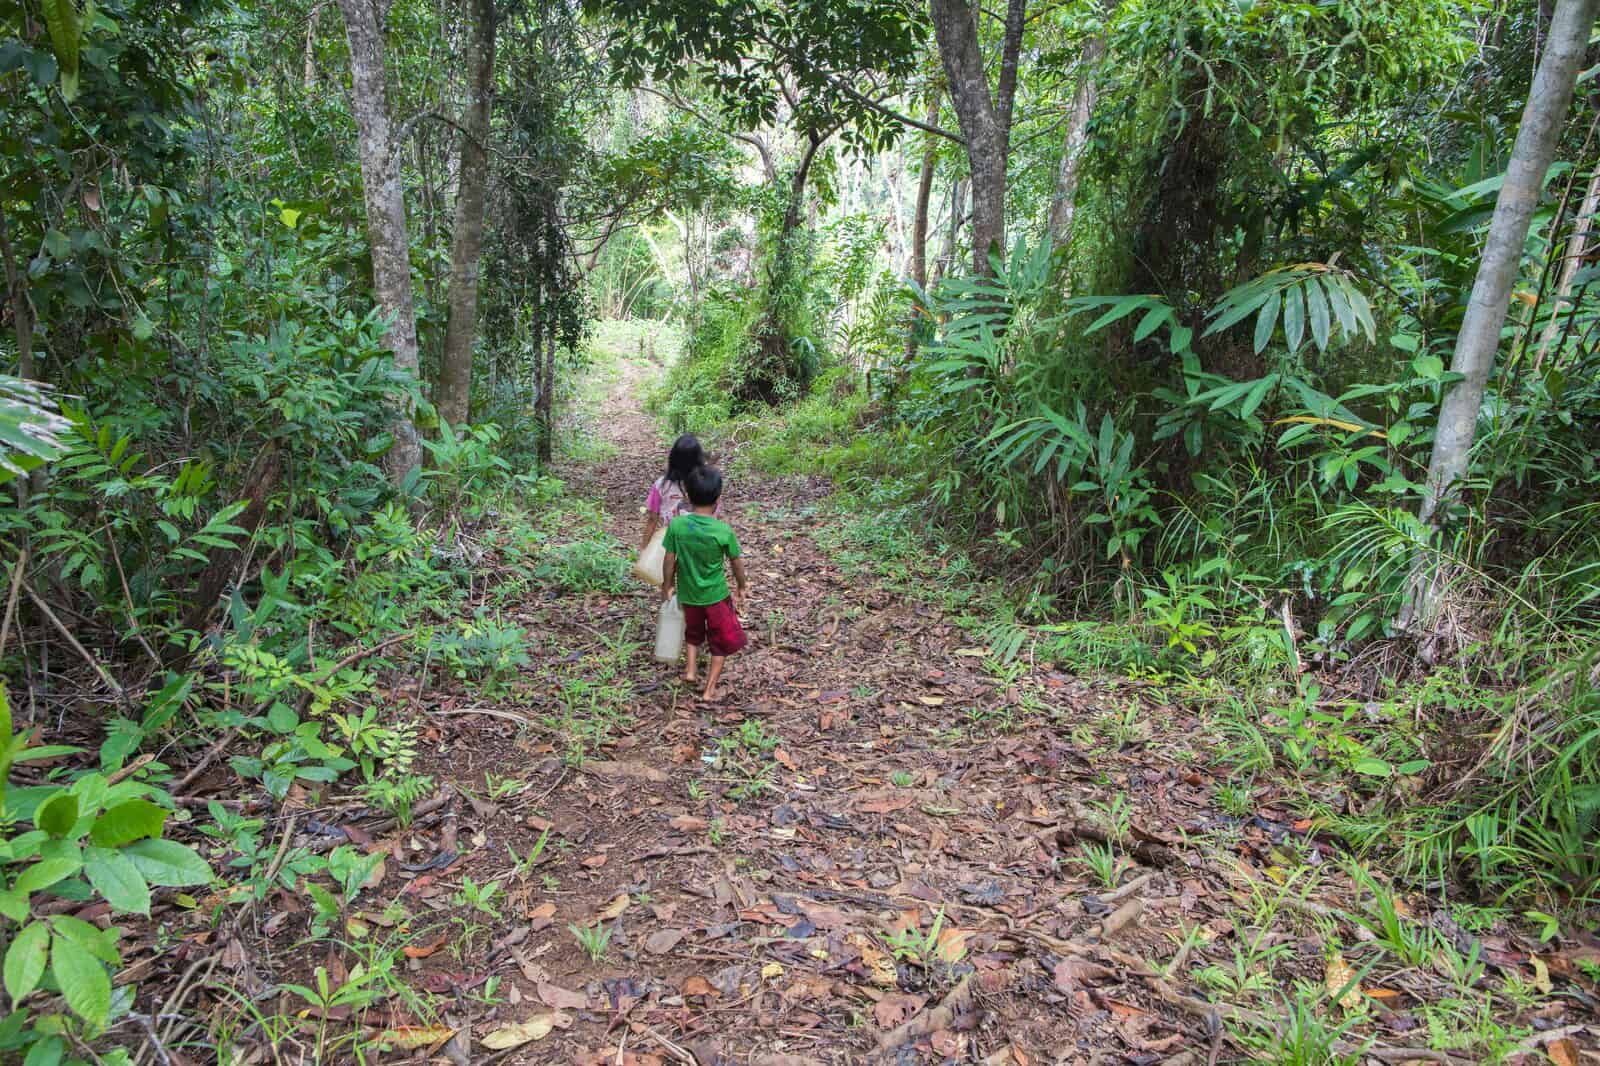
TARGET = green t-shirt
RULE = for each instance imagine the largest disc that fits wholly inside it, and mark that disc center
(701, 543)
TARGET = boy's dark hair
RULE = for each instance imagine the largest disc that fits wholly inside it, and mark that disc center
(704, 486)
(685, 456)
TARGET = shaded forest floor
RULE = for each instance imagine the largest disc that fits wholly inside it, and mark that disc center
(882, 844)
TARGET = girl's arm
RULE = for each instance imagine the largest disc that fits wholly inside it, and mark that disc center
(651, 522)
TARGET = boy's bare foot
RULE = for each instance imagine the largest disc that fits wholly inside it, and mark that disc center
(691, 677)
(711, 695)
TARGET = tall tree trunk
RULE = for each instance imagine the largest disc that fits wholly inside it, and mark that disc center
(1479, 339)
(1577, 247)
(386, 213)
(952, 233)
(917, 265)
(985, 119)
(1065, 199)
(466, 242)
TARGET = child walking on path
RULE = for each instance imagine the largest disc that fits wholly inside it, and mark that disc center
(696, 545)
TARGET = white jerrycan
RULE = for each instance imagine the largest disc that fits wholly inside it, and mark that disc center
(669, 630)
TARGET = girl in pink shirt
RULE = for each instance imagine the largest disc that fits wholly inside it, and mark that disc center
(667, 499)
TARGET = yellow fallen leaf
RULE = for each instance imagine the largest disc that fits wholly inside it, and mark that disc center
(1340, 980)
(1541, 975)
(771, 970)
(534, 1028)
(1563, 1052)
(931, 701)
(976, 653)
(618, 904)
(879, 966)
(412, 1037)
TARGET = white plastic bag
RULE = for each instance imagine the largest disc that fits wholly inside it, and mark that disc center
(652, 559)
(669, 630)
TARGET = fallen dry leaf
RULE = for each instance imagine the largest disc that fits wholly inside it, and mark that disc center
(553, 995)
(664, 940)
(895, 1008)
(688, 823)
(952, 944)
(635, 770)
(541, 916)
(422, 951)
(697, 986)
(880, 968)
(883, 803)
(537, 1027)
(412, 1037)
(594, 862)
(785, 758)
(1563, 1052)
(618, 904)
(1340, 981)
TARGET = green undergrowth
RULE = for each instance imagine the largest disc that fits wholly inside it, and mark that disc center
(1391, 760)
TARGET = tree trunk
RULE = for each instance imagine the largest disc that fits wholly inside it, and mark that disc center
(386, 213)
(917, 266)
(985, 119)
(1479, 339)
(952, 233)
(466, 243)
(1065, 200)
(1577, 248)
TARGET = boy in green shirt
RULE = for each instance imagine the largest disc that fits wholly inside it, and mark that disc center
(695, 544)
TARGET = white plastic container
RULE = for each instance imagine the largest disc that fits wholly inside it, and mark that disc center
(669, 630)
(652, 560)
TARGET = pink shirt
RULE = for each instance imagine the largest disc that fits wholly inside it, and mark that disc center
(667, 500)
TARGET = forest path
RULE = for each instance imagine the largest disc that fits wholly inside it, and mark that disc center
(869, 774)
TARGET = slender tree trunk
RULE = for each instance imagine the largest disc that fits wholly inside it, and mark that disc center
(985, 119)
(386, 213)
(917, 266)
(1479, 339)
(952, 233)
(1577, 247)
(1065, 199)
(454, 394)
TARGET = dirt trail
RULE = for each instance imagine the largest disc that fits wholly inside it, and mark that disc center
(860, 791)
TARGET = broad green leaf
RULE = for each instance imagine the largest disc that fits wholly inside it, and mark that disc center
(1339, 301)
(48, 1052)
(1150, 322)
(58, 814)
(127, 822)
(1257, 394)
(166, 862)
(1266, 321)
(83, 979)
(1372, 767)
(65, 24)
(26, 959)
(1294, 317)
(1317, 313)
(44, 873)
(118, 880)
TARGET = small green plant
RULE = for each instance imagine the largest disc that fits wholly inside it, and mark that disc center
(1298, 1035)
(913, 945)
(1236, 800)
(595, 939)
(1411, 943)
(522, 864)
(901, 778)
(1105, 862)
(479, 898)
(1116, 817)
(397, 795)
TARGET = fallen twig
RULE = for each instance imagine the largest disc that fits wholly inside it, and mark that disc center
(105, 675)
(929, 1021)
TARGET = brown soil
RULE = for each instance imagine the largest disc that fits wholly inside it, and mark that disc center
(910, 789)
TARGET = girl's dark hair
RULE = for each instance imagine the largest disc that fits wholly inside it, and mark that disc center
(686, 454)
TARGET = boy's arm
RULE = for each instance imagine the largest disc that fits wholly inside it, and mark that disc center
(669, 571)
(742, 587)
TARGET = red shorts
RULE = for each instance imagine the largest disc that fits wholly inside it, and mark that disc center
(716, 625)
